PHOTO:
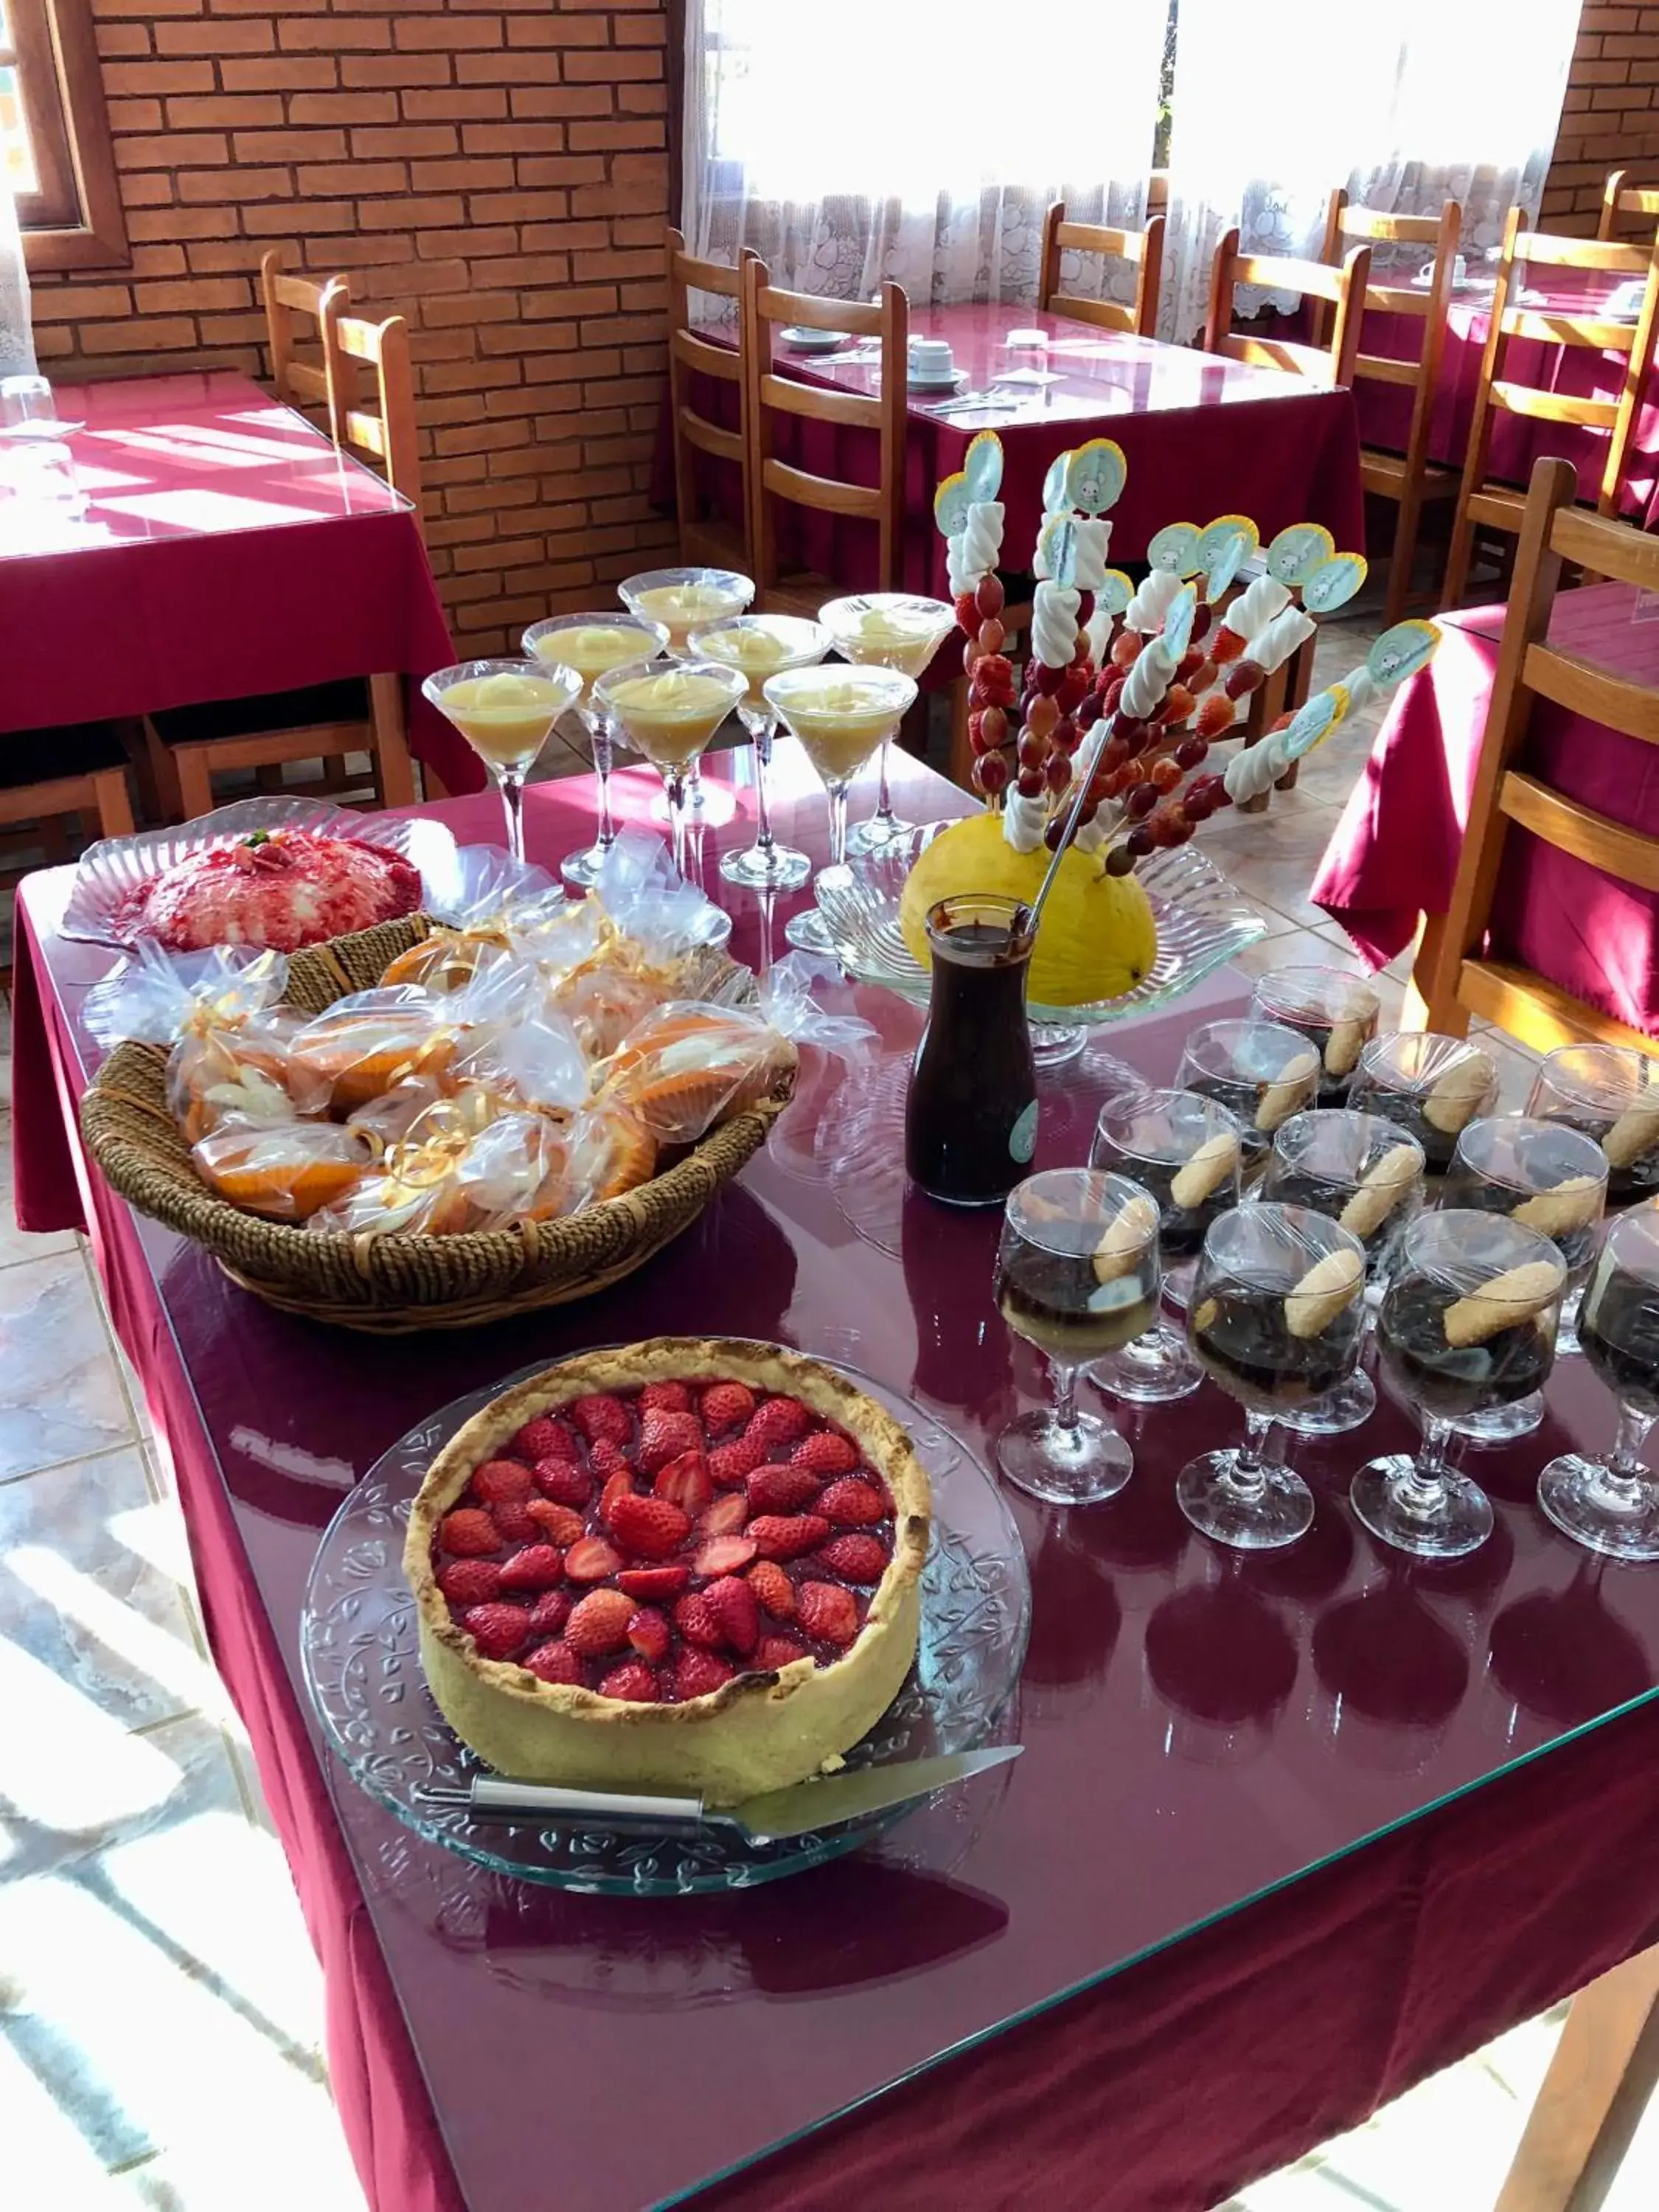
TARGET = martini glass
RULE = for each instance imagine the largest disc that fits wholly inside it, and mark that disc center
(506, 710)
(592, 644)
(762, 645)
(668, 712)
(842, 716)
(683, 599)
(886, 629)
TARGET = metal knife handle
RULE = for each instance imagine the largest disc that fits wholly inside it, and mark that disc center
(497, 1798)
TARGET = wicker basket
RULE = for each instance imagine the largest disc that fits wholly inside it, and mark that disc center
(392, 1285)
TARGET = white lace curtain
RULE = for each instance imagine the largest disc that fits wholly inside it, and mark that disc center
(916, 141)
(1408, 105)
(16, 340)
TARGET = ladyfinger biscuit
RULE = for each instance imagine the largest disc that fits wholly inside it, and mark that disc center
(1513, 1297)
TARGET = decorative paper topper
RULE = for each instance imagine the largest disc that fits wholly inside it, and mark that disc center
(1333, 583)
(951, 504)
(1115, 592)
(1313, 723)
(1223, 556)
(1054, 499)
(982, 465)
(1212, 541)
(1056, 549)
(1174, 550)
(1402, 652)
(1095, 475)
(1299, 550)
(1178, 623)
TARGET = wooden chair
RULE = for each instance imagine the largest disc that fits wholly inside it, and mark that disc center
(1591, 2100)
(772, 482)
(705, 539)
(1619, 199)
(46, 774)
(188, 745)
(1409, 478)
(1453, 978)
(1144, 248)
(292, 303)
(1483, 503)
(1328, 363)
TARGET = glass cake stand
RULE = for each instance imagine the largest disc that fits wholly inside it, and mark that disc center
(1203, 922)
(359, 1651)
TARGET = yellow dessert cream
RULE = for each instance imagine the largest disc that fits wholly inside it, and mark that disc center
(670, 715)
(680, 607)
(505, 717)
(760, 645)
(841, 715)
(896, 636)
(592, 647)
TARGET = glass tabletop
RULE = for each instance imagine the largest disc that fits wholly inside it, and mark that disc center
(186, 456)
(1199, 1730)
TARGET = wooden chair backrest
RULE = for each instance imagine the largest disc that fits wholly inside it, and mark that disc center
(690, 355)
(1328, 363)
(1553, 532)
(379, 426)
(288, 298)
(1620, 199)
(1635, 340)
(888, 320)
(1441, 233)
(1145, 248)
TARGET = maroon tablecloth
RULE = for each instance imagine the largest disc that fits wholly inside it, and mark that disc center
(228, 550)
(1517, 441)
(1393, 855)
(1203, 436)
(1203, 1829)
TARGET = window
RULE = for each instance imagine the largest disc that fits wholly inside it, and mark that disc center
(54, 136)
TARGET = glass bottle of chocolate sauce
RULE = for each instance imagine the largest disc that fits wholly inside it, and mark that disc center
(970, 1120)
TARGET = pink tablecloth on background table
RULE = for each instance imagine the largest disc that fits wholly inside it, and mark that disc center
(1517, 441)
(1380, 1899)
(228, 550)
(1394, 856)
(1203, 436)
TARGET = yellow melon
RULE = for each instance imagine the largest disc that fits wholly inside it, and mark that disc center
(1098, 937)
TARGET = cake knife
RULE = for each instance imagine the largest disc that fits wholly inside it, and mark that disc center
(778, 1814)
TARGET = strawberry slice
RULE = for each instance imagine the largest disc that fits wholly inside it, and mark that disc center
(590, 1560)
(725, 1516)
(686, 1482)
(650, 1635)
(620, 1485)
(650, 1584)
(724, 1555)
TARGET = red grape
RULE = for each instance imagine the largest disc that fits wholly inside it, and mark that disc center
(1029, 783)
(1190, 752)
(1049, 679)
(1054, 831)
(1163, 775)
(1033, 751)
(989, 598)
(1203, 616)
(991, 773)
(1140, 801)
(1057, 773)
(1139, 841)
(1120, 862)
(994, 723)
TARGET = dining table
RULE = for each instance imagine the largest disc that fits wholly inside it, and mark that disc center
(1540, 362)
(217, 546)
(1392, 858)
(1290, 1831)
(1203, 436)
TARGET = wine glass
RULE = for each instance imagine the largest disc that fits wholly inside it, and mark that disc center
(683, 600)
(1554, 1179)
(1431, 1085)
(1467, 1320)
(1610, 1091)
(1367, 1175)
(668, 713)
(1612, 1503)
(763, 646)
(1077, 1275)
(1334, 1009)
(591, 644)
(841, 716)
(1276, 1319)
(886, 629)
(1184, 1151)
(1260, 1072)
(506, 710)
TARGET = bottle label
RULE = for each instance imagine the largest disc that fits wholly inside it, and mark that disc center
(1022, 1138)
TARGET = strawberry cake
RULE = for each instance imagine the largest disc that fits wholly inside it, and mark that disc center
(282, 887)
(688, 1565)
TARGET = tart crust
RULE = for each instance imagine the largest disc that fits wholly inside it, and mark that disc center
(761, 1731)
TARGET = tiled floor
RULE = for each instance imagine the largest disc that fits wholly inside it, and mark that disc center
(159, 2009)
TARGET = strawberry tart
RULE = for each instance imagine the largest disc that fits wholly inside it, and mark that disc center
(689, 1565)
(281, 888)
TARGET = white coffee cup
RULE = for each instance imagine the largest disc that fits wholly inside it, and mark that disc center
(1460, 271)
(931, 360)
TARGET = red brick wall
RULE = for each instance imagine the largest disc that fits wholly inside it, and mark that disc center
(496, 170)
(1610, 117)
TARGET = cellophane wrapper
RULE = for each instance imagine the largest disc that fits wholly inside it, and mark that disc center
(285, 1173)
(453, 1172)
(366, 1044)
(491, 896)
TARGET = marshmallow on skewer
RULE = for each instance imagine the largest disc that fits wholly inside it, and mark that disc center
(1271, 646)
(1054, 624)
(1157, 594)
(1151, 674)
(974, 552)
(1090, 539)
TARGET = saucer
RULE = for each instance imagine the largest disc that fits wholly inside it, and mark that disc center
(801, 339)
(953, 380)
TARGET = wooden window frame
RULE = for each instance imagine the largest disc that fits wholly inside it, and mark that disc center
(75, 220)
